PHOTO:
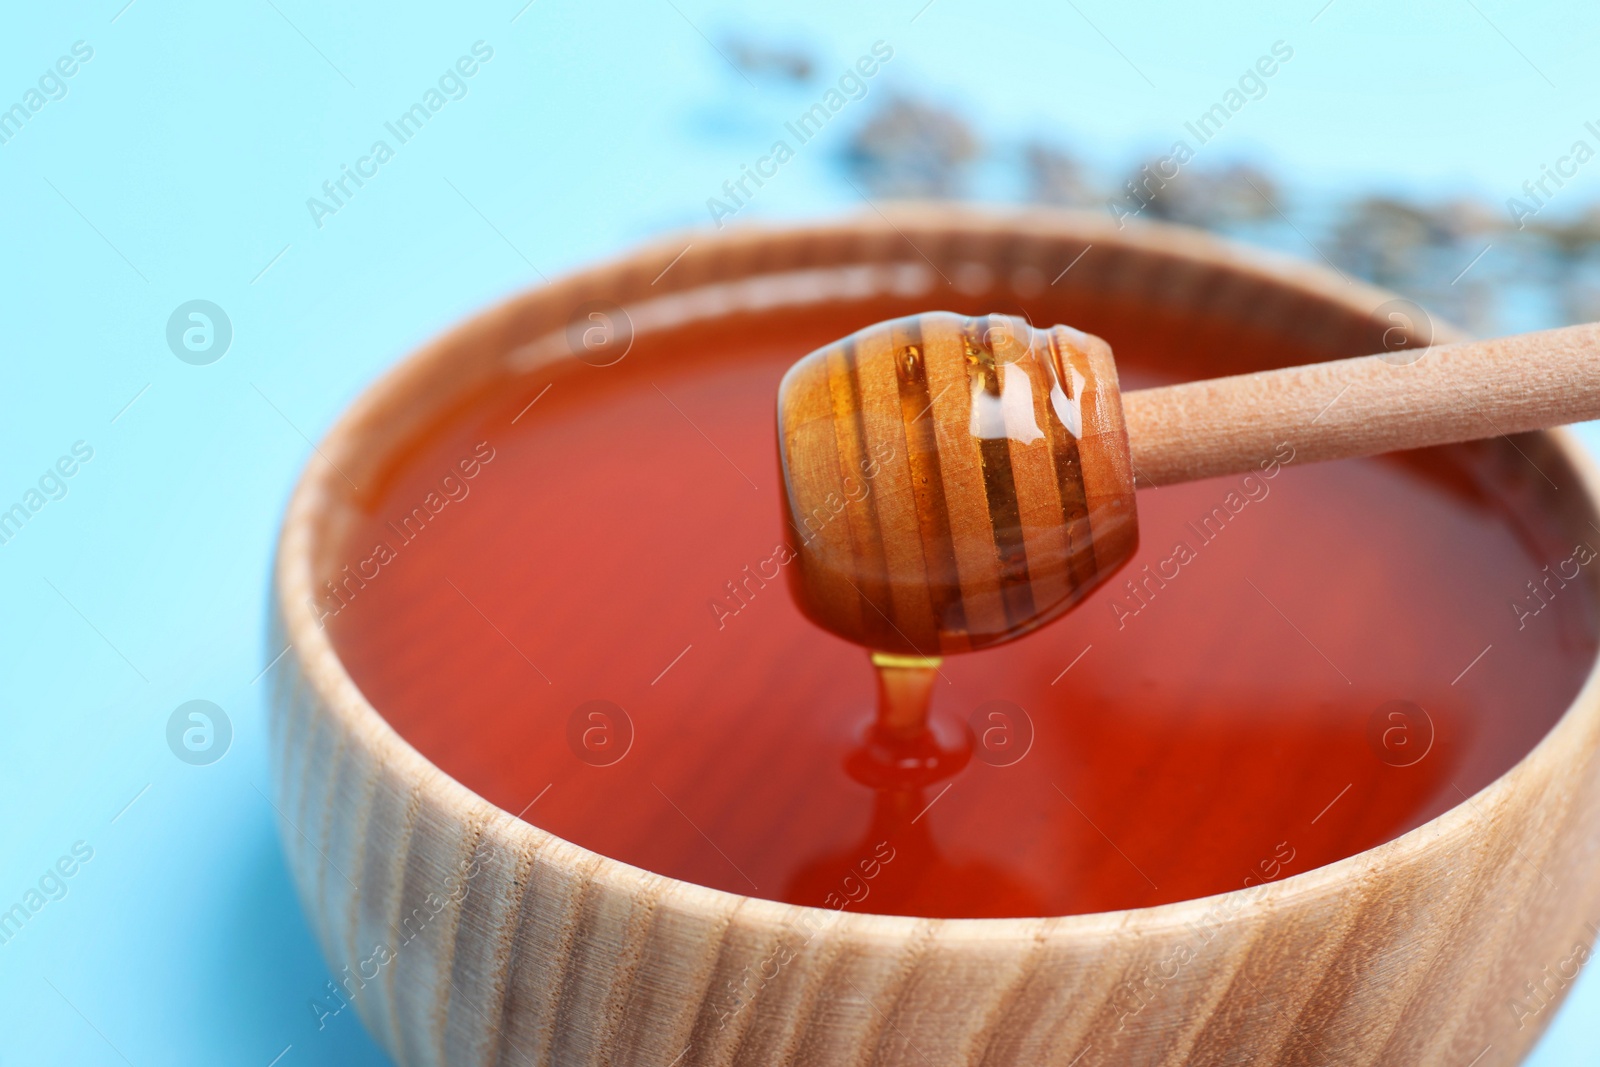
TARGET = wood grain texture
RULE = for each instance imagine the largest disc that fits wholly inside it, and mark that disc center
(975, 535)
(1407, 398)
(982, 467)
(472, 937)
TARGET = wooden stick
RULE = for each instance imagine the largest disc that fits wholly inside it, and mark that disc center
(985, 470)
(1364, 406)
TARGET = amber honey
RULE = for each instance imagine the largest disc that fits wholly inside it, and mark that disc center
(570, 594)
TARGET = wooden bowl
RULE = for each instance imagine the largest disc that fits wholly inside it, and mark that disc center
(476, 937)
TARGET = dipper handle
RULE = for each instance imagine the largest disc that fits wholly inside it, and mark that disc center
(1407, 398)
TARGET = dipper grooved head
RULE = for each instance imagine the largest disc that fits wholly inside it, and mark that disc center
(954, 482)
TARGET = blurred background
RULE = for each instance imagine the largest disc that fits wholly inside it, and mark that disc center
(158, 153)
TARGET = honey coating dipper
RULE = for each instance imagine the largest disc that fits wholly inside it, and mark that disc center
(953, 482)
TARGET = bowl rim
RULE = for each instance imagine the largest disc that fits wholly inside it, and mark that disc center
(293, 584)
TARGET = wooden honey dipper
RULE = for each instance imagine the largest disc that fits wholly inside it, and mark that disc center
(955, 482)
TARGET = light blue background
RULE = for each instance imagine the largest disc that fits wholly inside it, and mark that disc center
(178, 166)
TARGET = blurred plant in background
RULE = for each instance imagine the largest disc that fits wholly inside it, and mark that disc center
(1462, 257)
(1055, 177)
(1228, 196)
(912, 148)
(753, 58)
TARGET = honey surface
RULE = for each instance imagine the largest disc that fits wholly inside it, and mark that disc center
(593, 628)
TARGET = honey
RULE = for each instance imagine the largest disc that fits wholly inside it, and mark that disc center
(597, 635)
